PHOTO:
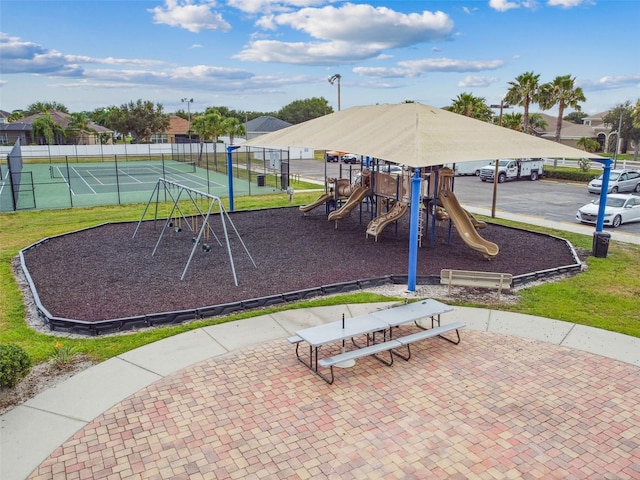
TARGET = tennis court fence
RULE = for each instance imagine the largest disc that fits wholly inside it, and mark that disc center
(42, 180)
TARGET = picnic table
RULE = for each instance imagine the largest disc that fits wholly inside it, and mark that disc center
(369, 325)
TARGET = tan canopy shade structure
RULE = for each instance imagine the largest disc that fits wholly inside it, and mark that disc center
(415, 135)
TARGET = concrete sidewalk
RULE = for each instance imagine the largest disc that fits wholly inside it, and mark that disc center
(31, 432)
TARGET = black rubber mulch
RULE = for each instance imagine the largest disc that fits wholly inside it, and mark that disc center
(103, 273)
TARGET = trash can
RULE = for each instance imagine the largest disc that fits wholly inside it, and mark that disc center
(260, 180)
(601, 244)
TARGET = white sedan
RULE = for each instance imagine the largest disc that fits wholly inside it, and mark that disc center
(619, 209)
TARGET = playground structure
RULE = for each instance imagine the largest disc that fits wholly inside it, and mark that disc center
(200, 223)
(462, 219)
(390, 198)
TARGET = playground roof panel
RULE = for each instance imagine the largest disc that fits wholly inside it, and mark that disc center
(414, 134)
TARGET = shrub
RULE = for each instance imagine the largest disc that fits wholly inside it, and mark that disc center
(15, 364)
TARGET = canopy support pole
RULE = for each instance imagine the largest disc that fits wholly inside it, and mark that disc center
(414, 231)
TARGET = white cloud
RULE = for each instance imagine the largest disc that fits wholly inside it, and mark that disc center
(28, 57)
(612, 81)
(505, 5)
(190, 16)
(451, 65)
(263, 6)
(301, 53)
(365, 24)
(476, 81)
(347, 34)
(568, 3)
(383, 72)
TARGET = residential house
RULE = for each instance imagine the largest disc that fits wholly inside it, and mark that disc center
(176, 132)
(264, 124)
(593, 127)
(94, 134)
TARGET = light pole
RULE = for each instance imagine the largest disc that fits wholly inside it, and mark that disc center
(618, 138)
(332, 79)
(188, 101)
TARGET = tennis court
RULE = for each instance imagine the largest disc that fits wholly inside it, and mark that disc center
(61, 184)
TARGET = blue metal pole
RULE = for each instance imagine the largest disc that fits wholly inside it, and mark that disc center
(230, 149)
(606, 173)
(413, 230)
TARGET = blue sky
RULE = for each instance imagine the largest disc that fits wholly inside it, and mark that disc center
(260, 55)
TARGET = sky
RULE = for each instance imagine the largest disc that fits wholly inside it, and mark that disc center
(260, 55)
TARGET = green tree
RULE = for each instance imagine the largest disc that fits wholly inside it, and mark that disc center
(575, 117)
(563, 93)
(512, 121)
(208, 126)
(636, 114)
(300, 111)
(523, 92)
(233, 128)
(79, 125)
(42, 107)
(140, 119)
(537, 121)
(16, 115)
(471, 106)
(624, 112)
(588, 144)
(45, 128)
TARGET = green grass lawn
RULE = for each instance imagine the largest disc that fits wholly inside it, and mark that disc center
(605, 296)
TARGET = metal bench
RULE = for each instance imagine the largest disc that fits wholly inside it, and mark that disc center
(372, 350)
(407, 340)
(469, 278)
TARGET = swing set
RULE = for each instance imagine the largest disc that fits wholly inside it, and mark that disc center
(199, 223)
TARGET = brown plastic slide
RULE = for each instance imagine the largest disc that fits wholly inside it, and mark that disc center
(378, 224)
(465, 226)
(354, 200)
(325, 197)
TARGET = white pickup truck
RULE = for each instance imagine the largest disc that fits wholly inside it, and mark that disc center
(512, 169)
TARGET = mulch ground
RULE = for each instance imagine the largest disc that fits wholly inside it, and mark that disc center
(105, 273)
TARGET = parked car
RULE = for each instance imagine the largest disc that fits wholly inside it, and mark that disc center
(333, 156)
(623, 180)
(350, 158)
(620, 208)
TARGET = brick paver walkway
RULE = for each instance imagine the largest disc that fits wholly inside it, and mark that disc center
(492, 407)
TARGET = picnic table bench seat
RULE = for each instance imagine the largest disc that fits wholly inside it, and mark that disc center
(391, 346)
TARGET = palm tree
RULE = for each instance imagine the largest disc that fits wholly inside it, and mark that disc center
(588, 144)
(562, 92)
(233, 128)
(45, 127)
(523, 92)
(537, 121)
(512, 121)
(79, 125)
(207, 126)
(471, 106)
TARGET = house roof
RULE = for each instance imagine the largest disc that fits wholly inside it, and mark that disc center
(63, 119)
(177, 125)
(265, 124)
(570, 130)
